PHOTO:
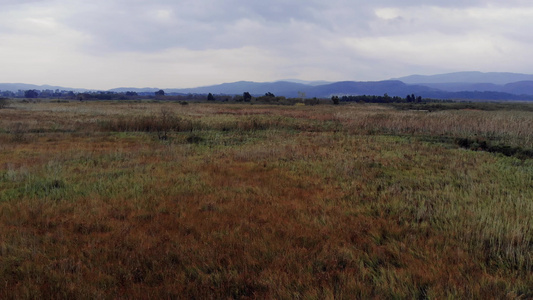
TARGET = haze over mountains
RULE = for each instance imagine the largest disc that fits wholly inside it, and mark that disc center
(468, 77)
(460, 85)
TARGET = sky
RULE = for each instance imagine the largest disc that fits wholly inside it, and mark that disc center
(104, 44)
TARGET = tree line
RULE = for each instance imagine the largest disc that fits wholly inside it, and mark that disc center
(244, 97)
(380, 99)
(132, 95)
(97, 95)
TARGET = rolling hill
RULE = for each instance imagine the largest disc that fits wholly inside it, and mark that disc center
(460, 85)
(499, 78)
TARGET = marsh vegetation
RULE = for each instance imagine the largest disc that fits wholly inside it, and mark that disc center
(163, 200)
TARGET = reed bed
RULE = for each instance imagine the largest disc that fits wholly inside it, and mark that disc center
(162, 200)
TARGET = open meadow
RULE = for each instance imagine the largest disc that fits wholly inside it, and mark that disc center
(157, 200)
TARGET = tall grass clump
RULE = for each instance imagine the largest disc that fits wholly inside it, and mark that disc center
(4, 102)
(514, 128)
(163, 122)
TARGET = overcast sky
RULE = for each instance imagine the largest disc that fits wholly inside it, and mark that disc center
(103, 44)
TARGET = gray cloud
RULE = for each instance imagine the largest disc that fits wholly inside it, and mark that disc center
(156, 25)
(142, 26)
(265, 40)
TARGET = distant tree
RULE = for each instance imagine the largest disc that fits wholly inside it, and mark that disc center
(84, 96)
(270, 98)
(7, 94)
(312, 102)
(247, 97)
(46, 93)
(105, 95)
(160, 93)
(335, 100)
(210, 97)
(31, 94)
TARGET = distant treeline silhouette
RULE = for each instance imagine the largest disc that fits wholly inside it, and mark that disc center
(382, 99)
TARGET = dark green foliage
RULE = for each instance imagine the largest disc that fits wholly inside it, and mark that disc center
(482, 145)
(312, 102)
(153, 123)
(8, 94)
(247, 97)
(31, 94)
(413, 98)
(210, 97)
(271, 98)
(373, 99)
(4, 102)
(194, 139)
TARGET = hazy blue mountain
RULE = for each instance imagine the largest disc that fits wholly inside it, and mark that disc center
(475, 95)
(292, 89)
(132, 89)
(519, 88)
(460, 85)
(467, 77)
(307, 82)
(444, 90)
(390, 87)
(24, 87)
(281, 88)
(516, 88)
(398, 88)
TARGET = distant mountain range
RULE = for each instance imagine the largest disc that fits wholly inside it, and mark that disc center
(498, 78)
(460, 85)
(295, 89)
(13, 87)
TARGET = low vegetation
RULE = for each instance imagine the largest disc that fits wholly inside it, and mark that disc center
(208, 200)
(4, 102)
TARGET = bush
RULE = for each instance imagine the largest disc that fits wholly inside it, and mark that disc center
(194, 139)
(482, 145)
(18, 130)
(312, 102)
(4, 102)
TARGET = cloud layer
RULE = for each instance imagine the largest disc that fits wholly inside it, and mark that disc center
(105, 44)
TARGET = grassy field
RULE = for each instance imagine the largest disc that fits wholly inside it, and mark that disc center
(103, 200)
